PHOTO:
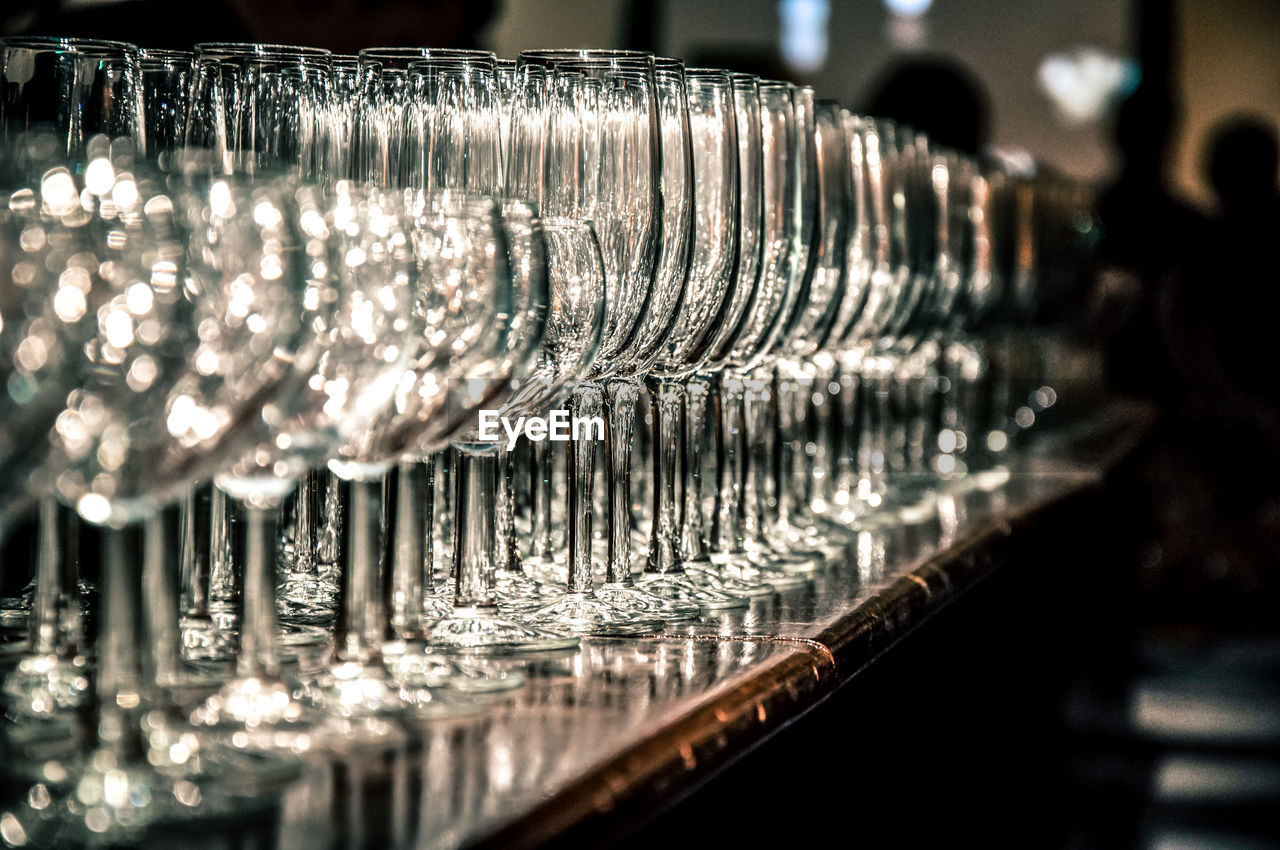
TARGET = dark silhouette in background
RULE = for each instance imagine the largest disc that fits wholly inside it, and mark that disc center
(934, 95)
(1147, 232)
(1240, 278)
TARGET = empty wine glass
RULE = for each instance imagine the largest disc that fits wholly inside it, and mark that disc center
(702, 583)
(742, 393)
(675, 535)
(128, 440)
(67, 101)
(818, 307)
(600, 110)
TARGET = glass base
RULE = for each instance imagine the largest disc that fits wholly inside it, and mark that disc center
(552, 572)
(355, 689)
(750, 567)
(806, 531)
(646, 604)
(438, 601)
(521, 590)
(110, 801)
(209, 639)
(307, 600)
(432, 704)
(416, 667)
(255, 713)
(709, 575)
(47, 684)
(487, 630)
(12, 616)
(585, 614)
(679, 587)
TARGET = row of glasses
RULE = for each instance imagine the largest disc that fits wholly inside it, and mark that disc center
(332, 265)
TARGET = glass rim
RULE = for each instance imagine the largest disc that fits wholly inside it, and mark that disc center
(69, 44)
(448, 64)
(154, 55)
(550, 57)
(220, 49)
(407, 55)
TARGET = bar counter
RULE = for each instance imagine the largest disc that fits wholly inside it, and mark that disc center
(601, 739)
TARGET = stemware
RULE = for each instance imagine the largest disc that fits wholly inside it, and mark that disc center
(474, 621)
(702, 583)
(600, 113)
(742, 396)
(676, 531)
(255, 109)
(66, 101)
(819, 307)
(135, 430)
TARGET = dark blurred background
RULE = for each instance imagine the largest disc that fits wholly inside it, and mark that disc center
(1121, 688)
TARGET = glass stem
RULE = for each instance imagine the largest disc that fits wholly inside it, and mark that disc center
(124, 694)
(693, 535)
(665, 554)
(619, 436)
(475, 474)
(588, 403)
(257, 658)
(754, 442)
(790, 390)
(541, 490)
(160, 589)
(873, 447)
(848, 426)
(727, 530)
(309, 504)
(507, 551)
(223, 587)
(361, 625)
(197, 523)
(407, 485)
(815, 491)
(56, 624)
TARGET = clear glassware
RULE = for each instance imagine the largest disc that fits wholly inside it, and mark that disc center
(743, 392)
(859, 466)
(67, 101)
(130, 438)
(818, 307)
(704, 582)
(575, 271)
(60, 94)
(474, 621)
(405, 145)
(676, 536)
(602, 110)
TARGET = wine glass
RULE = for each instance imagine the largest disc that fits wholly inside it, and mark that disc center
(135, 430)
(883, 273)
(66, 101)
(702, 583)
(675, 535)
(820, 305)
(600, 109)
(742, 392)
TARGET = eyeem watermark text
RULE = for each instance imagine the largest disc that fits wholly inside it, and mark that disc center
(559, 427)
